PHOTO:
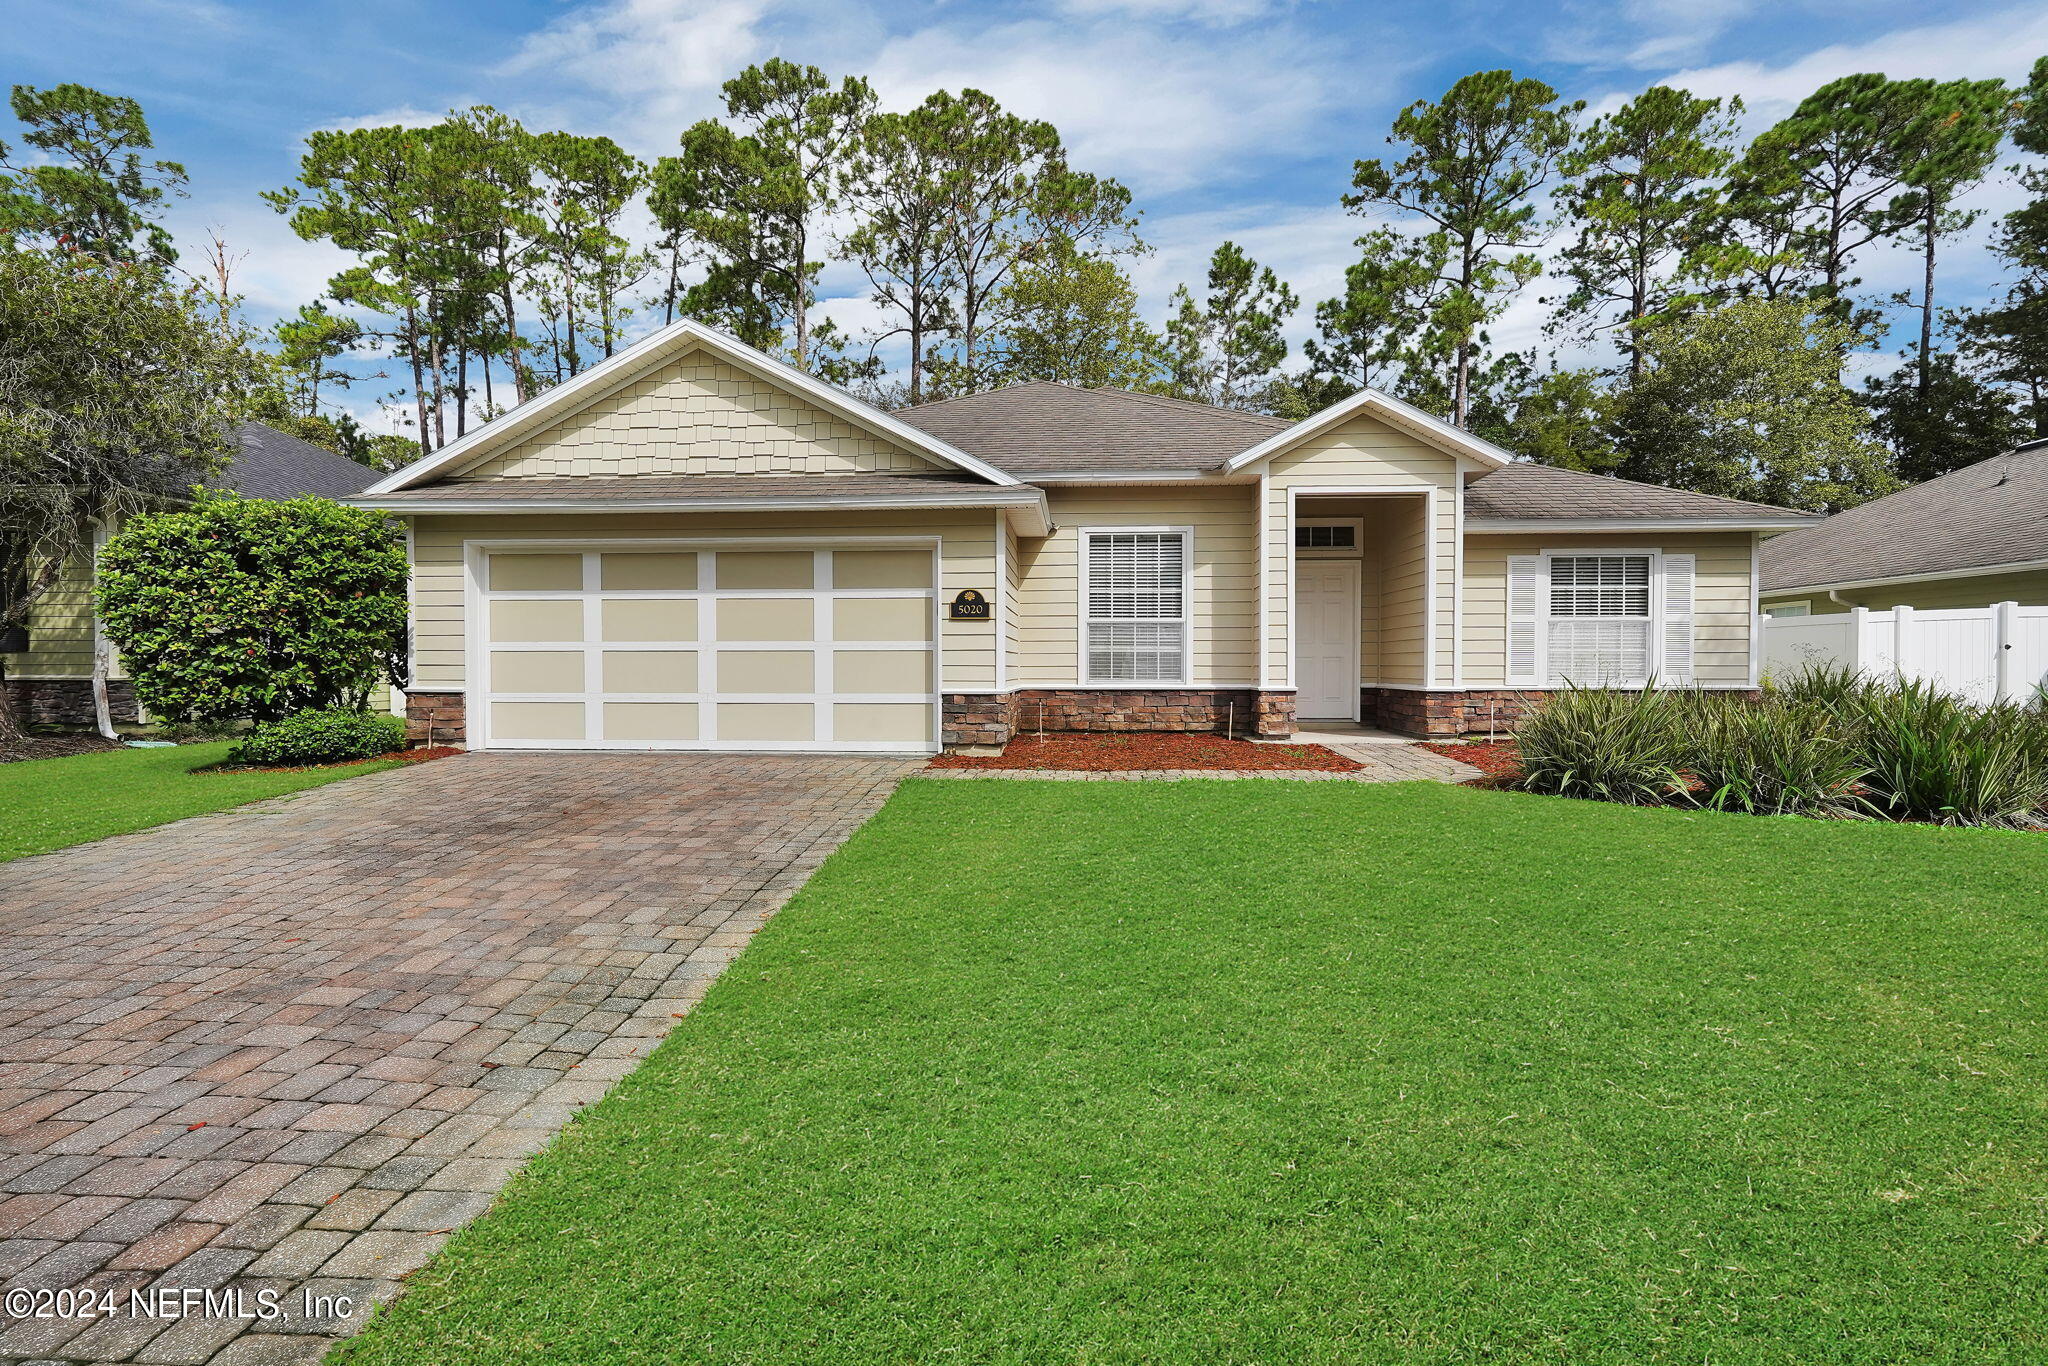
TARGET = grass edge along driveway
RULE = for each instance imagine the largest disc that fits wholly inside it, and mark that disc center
(1266, 1071)
(48, 804)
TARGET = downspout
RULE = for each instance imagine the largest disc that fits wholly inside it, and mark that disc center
(1838, 600)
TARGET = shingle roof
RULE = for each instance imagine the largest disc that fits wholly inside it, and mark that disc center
(1977, 518)
(273, 464)
(663, 487)
(1041, 428)
(1545, 492)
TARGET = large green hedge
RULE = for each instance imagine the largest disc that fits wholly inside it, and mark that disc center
(243, 608)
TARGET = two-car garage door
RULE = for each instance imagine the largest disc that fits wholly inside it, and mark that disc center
(663, 647)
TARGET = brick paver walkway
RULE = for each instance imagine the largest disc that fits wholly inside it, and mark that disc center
(288, 1048)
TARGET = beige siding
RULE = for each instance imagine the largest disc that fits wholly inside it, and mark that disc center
(967, 559)
(1721, 598)
(695, 415)
(1372, 457)
(60, 628)
(2029, 589)
(1012, 614)
(1225, 606)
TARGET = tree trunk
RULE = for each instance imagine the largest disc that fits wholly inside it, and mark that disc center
(1460, 401)
(419, 376)
(440, 399)
(461, 392)
(102, 665)
(512, 343)
(1927, 296)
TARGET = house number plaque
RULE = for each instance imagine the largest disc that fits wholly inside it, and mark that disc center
(968, 605)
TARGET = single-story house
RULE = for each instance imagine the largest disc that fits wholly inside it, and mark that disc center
(49, 665)
(693, 546)
(1971, 538)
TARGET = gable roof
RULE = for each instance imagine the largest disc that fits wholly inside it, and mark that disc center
(269, 463)
(1043, 429)
(643, 356)
(1404, 416)
(1544, 494)
(1972, 520)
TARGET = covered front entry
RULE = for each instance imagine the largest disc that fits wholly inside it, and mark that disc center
(700, 645)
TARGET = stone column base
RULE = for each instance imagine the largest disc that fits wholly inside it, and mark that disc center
(66, 703)
(435, 718)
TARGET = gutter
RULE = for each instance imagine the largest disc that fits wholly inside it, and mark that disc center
(1027, 505)
(1627, 524)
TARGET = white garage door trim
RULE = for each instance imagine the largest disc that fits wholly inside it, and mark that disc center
(821, 646)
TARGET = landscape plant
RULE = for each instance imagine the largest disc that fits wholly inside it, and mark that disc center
(248, 609)
(326, 735)
(1609, 745)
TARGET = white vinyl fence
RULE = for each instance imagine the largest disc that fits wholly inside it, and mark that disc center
(1984, 654)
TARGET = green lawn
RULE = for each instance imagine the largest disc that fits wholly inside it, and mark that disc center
(47, 804)
(1272, 1072)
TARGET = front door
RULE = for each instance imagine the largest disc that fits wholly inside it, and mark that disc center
(1326, 639)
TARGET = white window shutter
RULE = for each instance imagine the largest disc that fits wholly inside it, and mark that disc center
(1525, 592)
(1678, 578)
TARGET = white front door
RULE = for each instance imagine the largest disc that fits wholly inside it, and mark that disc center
(1326, 639)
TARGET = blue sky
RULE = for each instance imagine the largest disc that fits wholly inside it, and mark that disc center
(1237, 118)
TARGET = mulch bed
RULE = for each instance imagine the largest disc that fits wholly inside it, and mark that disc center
(53, 746)
(403, 756)
(1497, 759)
(1149, 753)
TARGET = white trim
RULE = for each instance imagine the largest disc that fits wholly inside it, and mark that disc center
(1458, 583)
(1533, 525)
(1430, 584)
(1986, 571)
(672, 340)
(1434, 430)
(1756, 612)
(1263, 517)
(1125, 477)
(1356, 551)
(1029, 505)
(1187, 603)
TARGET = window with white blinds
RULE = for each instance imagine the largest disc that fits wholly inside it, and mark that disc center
(1134, 604)
(1600, 619)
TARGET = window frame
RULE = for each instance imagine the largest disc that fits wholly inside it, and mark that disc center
(1653, 655)
(1356, 550)
(1086, 623)
(1805, 606)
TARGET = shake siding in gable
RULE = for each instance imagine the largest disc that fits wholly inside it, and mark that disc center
(967, 559)
(1371, 457)
(1225, 577)
(1721, 597)
(696, 415)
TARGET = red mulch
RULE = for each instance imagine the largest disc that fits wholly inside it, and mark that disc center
(1148, 753)
(1497, 759)
(403, 756)
(53, 746)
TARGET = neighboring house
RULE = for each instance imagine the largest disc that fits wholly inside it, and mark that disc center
(1973, 537)
(693, 546)
(51, 678)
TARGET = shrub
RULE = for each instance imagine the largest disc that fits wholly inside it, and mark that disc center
(246, 608)
(1827, 688)
(327, 736)
(1934, 757)
(1611, 745)
(1772, 757)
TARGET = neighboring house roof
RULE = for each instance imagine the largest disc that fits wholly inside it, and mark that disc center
(1978, 519)
(1545, 494)
(1042, 429)
(269, 463)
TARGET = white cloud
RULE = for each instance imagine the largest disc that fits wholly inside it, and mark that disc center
(1217, 13)
(1159, 111)
(1992, 45)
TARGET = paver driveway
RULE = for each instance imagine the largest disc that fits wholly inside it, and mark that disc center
(289, 1047)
